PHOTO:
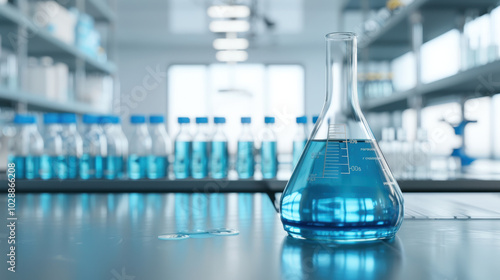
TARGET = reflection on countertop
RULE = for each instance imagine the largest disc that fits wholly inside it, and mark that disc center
(303, 259)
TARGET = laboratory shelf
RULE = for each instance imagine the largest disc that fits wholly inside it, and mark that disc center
(358, 4)
(478, 81)
(41, 43)
(393, 38)
(100, 10)
(224, 186)
(38, 102)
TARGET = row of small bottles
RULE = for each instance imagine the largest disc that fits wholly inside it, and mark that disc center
(103, 150)
(407, 159)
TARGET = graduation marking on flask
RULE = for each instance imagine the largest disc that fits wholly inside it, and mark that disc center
(336, 152)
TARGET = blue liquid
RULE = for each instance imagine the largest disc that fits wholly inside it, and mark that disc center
(137, 166)
(19, 166)
(157, 167)
(86, 167)
(32, 167)
(348, 200)
(27, 167)
(245, 160)
(112, 167)
(72, 164)
(47, 167)
(199, 162)
(52, 167)
(120, 166)
(298, 147)
(91, 167)
(182, 159)
(99, 166)
(269, 159)
(218, 160)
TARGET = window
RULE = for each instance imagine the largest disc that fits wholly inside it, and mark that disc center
(233, 91)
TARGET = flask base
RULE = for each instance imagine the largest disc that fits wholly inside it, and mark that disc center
(342, 235)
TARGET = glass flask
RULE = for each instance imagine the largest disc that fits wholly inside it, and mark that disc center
(342, 189)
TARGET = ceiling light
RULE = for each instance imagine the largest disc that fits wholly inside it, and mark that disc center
(226, 11)
(229, 26)
(231, 56)
(230, 44)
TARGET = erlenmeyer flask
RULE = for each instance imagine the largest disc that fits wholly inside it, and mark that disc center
(342, 188)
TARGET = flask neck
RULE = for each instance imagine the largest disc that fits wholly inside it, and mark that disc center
(341, 72)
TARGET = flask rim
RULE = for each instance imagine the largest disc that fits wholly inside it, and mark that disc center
(340, 36)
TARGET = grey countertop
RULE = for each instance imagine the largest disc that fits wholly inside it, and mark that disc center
(115, 236)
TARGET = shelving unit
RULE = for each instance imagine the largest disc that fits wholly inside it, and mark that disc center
(478, 81)
(37, 102)
(405, 31)
(439, 16)
(26, 39)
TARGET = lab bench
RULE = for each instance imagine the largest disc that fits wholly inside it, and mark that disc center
(490, 184)
(115, 236)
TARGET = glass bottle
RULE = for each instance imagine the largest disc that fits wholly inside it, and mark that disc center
(182, 150)
(123, 141)
(244, 157)
(94, 149)
(219, 154)
(199, 155)
(72, 144)
(52, 163)
(269, 150)
(158, 161)
(299, 139)
(27, 147)
(342, 189)
(139, 148)
(112, 162)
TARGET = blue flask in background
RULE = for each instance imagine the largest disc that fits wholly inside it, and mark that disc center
(52, 163)
(27, 147)
(299, 139)
(158, 161)
(139, 148)
(219, 154)
(113, 160)
(269, 150)
(182, 150)
(94, 149)
(200, 149)
(72, 145)
(245, 154)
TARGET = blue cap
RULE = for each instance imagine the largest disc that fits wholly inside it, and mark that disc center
(115, 120)
(315, 119)
(50, 118)
(136, 119)
(106, 119)
(183, 120)
(202, 120)
(24, 119)
(302, 119)
(156, 119)
(246, 120)
(90, 119)
(269, 120)
(219, 120)
(67, 118)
